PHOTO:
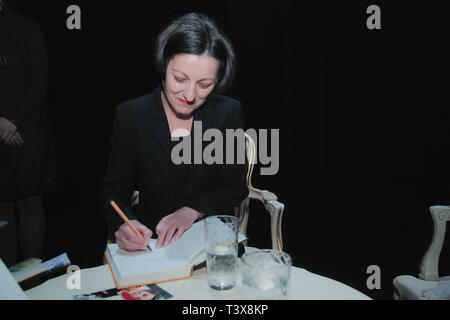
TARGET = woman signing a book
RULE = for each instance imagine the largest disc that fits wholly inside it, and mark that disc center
(159, 142)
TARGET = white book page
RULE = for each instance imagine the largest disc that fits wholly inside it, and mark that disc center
(192, 242)
(143, 262)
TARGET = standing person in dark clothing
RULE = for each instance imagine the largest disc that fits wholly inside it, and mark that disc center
(27, 154)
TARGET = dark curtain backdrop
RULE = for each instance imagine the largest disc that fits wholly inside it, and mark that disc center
(363, 118)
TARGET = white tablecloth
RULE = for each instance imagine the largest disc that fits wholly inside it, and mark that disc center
(304, 285)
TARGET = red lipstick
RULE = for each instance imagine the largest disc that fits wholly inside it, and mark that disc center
(184, 102)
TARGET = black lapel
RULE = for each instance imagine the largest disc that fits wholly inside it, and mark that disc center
(203, 116)
(159, 125)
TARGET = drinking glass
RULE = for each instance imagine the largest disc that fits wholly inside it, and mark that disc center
(221, 235)
(265, 274)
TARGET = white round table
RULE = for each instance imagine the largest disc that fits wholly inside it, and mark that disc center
(304, 285)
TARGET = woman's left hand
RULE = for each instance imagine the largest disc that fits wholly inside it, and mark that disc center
(178, 222)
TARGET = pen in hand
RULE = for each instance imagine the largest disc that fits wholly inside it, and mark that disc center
(124, 217)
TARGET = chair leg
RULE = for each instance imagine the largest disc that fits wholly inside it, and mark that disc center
(243, 217)
(276, 211)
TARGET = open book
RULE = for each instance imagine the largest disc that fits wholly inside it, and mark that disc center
(174, 262)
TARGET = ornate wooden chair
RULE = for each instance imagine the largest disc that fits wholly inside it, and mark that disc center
(428, 285)
(268, 199)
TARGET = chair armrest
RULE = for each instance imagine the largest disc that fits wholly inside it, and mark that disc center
(261, 195)
(274, 207)
(430, 262)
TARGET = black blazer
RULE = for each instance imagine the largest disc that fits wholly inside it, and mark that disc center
(140, 160)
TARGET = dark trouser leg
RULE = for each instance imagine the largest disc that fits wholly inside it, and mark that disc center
(8, 234)
(31, 226)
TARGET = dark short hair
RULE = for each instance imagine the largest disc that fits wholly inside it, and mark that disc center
(196, 33)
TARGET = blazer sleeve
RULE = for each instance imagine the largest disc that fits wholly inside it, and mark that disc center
(120, 179)
(35, 80)
(230, 187)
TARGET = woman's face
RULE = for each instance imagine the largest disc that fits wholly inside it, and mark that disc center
(190, 79)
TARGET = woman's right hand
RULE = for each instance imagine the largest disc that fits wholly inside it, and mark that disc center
(128, 240)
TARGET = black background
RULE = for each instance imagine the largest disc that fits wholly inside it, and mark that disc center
(363, 118)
